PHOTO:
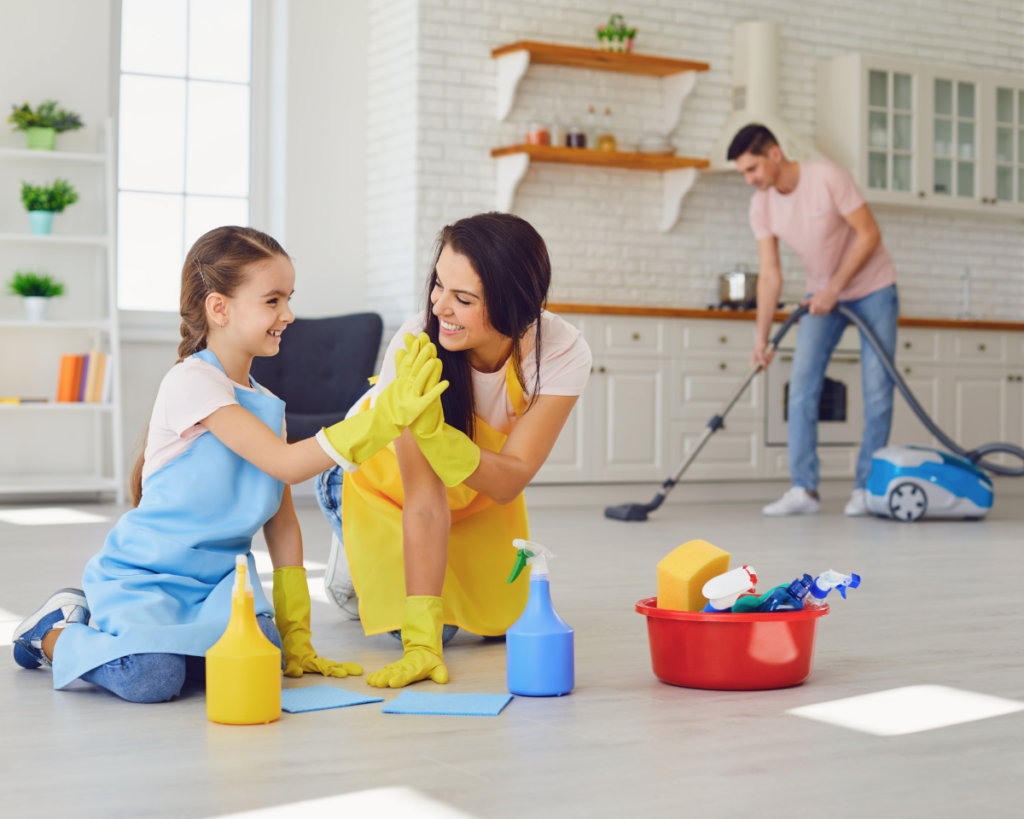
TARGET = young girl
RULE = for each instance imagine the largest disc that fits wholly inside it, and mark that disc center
(427, 530)
(213, 472)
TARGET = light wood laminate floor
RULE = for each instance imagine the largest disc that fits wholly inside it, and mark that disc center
(940, 604)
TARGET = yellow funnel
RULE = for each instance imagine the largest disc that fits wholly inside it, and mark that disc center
(243, 669)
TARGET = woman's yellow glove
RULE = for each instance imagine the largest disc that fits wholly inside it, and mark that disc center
(291, 613)
(417, 386)
(421, 636)
(451, 453)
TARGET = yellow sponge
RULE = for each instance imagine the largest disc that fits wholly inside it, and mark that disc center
(683, 572)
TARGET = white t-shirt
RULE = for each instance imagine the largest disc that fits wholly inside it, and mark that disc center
(190, 392)
(564, 369)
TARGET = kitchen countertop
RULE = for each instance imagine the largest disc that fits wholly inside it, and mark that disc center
(751, 315)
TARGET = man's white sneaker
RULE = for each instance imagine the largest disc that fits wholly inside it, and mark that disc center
(796, 501)
(857, 506)
(338, 581)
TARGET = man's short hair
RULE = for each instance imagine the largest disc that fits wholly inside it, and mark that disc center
(755, 139)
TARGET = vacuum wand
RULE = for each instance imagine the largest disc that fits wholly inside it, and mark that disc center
(640, 511)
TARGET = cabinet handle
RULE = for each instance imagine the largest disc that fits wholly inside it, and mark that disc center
(600, 369)
(722, 366)
(920, 194)
(907, 370)
(636, 336)
(981, 347)
(722, 339)
(906, 345)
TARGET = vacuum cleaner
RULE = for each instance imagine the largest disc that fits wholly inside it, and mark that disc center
(907, 483)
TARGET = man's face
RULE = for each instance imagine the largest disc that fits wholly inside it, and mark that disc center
(760, 171)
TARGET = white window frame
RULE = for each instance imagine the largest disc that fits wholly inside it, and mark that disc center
(268, 61)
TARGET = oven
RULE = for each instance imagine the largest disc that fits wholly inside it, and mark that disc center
(841, 411)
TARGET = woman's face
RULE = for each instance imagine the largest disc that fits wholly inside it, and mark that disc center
(458, 303)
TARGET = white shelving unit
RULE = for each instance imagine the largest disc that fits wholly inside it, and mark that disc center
(98, 331)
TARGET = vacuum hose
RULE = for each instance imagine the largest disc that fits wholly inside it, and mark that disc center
(640, 511)
(975, 455)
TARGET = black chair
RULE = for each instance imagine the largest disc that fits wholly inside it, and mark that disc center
(322, 369)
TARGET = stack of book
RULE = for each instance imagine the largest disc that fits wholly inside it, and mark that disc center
(84, 378)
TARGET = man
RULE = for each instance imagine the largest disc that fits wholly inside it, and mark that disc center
(817, 209)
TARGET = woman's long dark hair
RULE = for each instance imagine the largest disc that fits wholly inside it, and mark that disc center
(512, 262)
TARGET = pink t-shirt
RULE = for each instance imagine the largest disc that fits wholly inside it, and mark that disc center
(810, 220)
(190, 392)
(564, 369)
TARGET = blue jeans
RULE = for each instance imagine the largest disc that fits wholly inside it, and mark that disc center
(818, 337)
(159, 677)
(328, 495)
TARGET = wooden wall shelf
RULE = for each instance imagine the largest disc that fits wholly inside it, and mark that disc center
(595, 59)
(678, 77)
(678, 172)
(603, 159)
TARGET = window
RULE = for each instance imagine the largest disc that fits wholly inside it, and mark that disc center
(1009, 140)
(184, 139)
(955, 153)
(890, 130)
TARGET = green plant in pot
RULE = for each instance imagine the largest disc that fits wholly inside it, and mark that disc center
(42, 125)
(36, 288)
(43, 201)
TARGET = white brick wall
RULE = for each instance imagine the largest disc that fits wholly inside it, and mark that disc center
(601, 225)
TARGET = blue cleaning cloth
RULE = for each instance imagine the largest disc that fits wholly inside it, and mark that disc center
(321, 697)
(464, 705)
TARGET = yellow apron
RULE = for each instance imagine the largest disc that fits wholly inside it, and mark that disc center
(476, 596)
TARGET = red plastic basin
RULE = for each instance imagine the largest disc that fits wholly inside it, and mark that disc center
(731, 652)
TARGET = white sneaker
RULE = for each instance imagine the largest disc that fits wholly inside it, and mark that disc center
(857, 507)
(338, 581)
(796, 501)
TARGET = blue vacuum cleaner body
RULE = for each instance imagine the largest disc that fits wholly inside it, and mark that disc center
(913, 482)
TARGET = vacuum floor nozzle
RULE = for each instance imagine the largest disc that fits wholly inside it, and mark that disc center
(628, 511)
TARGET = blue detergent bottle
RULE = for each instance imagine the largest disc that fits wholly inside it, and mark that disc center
(788, 598)
(539, 646)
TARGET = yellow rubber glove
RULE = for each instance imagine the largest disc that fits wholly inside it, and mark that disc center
(417, 386)
(421, 637)
(291, 613)
(451, 453)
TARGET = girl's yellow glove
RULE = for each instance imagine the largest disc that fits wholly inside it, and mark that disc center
(291, 613)
(421, 637)
(417, 386)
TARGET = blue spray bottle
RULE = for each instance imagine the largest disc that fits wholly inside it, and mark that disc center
(539, 646)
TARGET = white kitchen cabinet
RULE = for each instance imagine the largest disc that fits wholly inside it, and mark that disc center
(735, 452)
(924, 136)
(629, 434)
(926, 383)
(657, 381)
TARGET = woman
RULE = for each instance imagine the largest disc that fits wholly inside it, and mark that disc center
(426, 525)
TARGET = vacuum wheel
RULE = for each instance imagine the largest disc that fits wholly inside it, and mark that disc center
(907, 501)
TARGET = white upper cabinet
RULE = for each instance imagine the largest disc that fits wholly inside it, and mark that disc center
(916, 135)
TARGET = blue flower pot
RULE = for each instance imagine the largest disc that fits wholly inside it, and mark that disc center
(42, 222)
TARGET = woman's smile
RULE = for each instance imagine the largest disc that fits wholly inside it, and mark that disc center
(450, 329)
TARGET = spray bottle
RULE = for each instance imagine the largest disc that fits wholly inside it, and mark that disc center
(243, 668)
(724, 590)
(779, 598)
(539, 646)
(825, 582)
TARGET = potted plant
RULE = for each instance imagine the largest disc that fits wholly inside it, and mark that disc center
(36, 289)
(615, 36)
(42, 125)
(44, 201)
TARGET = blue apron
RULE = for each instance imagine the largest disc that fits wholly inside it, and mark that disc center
(162, 582)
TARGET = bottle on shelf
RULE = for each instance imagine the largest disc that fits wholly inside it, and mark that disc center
(575, 138)
(591, 132)
(606, 141)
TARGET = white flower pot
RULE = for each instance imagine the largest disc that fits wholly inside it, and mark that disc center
(35, 307)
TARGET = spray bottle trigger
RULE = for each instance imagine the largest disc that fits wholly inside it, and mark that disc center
(522, 555)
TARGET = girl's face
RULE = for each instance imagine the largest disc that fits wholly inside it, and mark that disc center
(458, 303)
(254, 318)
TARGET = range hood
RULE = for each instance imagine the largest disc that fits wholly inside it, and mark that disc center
(755, 94)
